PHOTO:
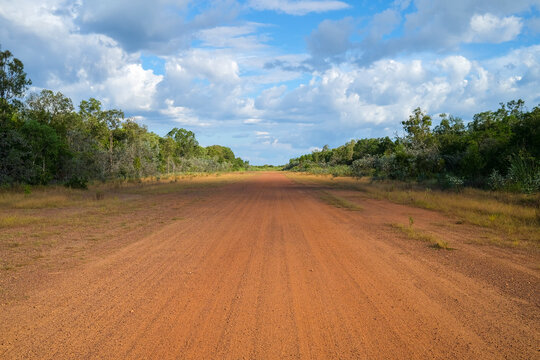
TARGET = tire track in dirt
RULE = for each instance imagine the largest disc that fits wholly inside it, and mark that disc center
(264, 269)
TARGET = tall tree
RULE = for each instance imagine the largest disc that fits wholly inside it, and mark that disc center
(186, 143)
(13, 81)
(418, 126)
(102, 124)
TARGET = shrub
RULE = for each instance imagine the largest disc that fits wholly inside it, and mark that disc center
(366, 166)
(447, 181)
(77, 182)
(524, 174)
(496, 181)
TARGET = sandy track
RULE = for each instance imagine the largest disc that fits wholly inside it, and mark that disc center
(265, 270)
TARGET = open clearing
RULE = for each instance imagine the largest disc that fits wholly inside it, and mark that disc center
(258, 266)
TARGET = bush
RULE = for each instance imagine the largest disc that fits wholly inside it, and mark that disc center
(366, 166)
(524, 174)
(496, 181)
(77, 182)
(452, 182)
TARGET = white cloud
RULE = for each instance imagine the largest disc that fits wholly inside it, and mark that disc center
(181, 114)
(244, 37)
(385, 92)
(442, 26)
(79, 65)
(251, 121)
(492, 29)
(132, 87)
(294, 7)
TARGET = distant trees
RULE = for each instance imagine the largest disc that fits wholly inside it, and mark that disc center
(45, 139)
(497, 149)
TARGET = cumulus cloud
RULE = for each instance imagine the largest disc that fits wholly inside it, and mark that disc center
(385, 92)
(300, 7)
(442, 26)
(181, 115)
(80, 65)
(243, 37)
(159, 26)
(492, 29)
(330, 39)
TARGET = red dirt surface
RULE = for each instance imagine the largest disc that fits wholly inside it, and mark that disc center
(265, 270)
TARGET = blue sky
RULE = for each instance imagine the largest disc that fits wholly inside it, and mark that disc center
(274, 79)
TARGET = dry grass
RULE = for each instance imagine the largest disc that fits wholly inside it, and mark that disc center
(416, 234)
(516, 217)
(11, 221)
(338, 202)
(49, 197)
(42, 198)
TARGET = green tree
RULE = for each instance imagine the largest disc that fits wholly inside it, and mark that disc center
(102, 124)
(186, 144)
(53, 109)
(13, 81)
(220, 153)
(418, 126)
(45, 147)
(167, 147)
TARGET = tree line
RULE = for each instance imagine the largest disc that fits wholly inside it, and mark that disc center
(498, 149)
(44, 139)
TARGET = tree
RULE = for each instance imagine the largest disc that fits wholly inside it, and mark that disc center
(13, 81)
(220, 153)
(417, 127)
(15, 157)
(45, 147)
(103, 124)
(167, 147)
(54, 110)
(186, 144)
(48, 102)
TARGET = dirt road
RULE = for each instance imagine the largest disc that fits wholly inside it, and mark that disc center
(266, 270)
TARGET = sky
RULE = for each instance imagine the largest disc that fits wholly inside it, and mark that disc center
(274, 79)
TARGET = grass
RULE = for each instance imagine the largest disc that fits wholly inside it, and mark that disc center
(339, 202)
(416, 234)
(11, 221)
(54, 197)
(515, 217)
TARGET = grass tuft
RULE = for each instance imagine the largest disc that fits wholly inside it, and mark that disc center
(416, 234)
(441, 245)
(339, 202)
